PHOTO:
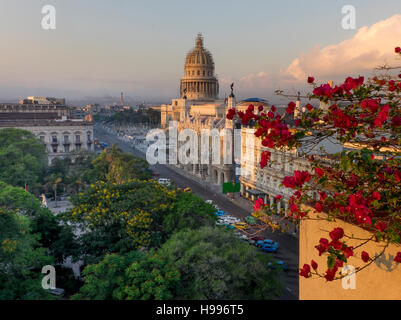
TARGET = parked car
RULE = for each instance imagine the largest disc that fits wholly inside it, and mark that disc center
(240, 225)
(269, 248)
(164, 181)
(267, 242)
(278, 264)
(258, 238)
(241, 236)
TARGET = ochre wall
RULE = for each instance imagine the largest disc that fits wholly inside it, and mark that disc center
(381, 280)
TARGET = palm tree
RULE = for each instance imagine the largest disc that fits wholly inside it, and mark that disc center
(54, 181)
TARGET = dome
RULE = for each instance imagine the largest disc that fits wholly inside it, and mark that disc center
(199, 81)
(199, 56)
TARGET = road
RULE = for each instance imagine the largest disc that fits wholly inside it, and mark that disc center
(288, 251)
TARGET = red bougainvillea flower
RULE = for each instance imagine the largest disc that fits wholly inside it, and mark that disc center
(260, 108)
(398, 257)
(314, 264)
(365, 256)
(278, 197)
(319, 172)
(231, 113)
(324, 90)
(396, 121)
(305, 271)
(265, 159)
(291, 107)
(309, 107)
(319, 207)
(336, 234)
(323, 246)
(259, 204)
(323, 195)
(381, 226)
(348, 252)
(311, 79)
(331, 273)
(299, 178)
(397, 50)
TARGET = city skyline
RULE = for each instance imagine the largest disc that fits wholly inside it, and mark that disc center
(99, 49)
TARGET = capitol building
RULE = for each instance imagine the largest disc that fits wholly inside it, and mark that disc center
(199, 108)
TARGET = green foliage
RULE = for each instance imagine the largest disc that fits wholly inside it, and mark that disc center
(51, 233)
(215, 265)
(113, 165)
(125, 217)
(21, 259)
(23, 158)
(134, 276)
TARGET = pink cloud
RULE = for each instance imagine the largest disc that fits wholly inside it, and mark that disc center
(370, 47)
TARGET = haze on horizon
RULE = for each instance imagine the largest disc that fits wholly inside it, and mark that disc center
(101, 48)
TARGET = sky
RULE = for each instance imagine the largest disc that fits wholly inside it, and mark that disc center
(102, 47)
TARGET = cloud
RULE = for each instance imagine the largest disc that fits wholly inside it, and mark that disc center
(369, 48)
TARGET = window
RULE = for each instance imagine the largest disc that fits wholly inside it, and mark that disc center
(89, 136)
(42, 138)
(54, 139)
(203, 72)
(77, 138)
(66, 148)
(55, 149)
(198, 72)
(78, 147)
(66, 138)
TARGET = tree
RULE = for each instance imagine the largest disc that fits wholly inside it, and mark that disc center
(215, 265)
(23, 158)
(119, 218)
(360, 185)
(21, 259)
(116, 166)
(134, 276)
(51, 233)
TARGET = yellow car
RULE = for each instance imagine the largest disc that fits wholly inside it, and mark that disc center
(240, 225)
(187, 190)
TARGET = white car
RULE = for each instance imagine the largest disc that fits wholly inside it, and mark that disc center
(231, 219)
(164, 181)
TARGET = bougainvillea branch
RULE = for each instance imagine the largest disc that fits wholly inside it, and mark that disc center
(360, 185)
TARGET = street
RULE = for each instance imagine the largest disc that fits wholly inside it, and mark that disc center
(288, 251)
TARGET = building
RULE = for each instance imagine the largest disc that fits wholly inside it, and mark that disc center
(52, 123)
(199, 108)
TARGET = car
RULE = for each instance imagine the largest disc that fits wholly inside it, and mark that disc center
(278, 264)
(187, 190)
(240, 225)
(232, 219)
(241, 236)
(267, 242)
(164, 181)
(269, 248)
(257, 238)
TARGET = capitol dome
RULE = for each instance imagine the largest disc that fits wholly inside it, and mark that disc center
(199, 81)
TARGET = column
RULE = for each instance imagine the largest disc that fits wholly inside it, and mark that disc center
(271, 200)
